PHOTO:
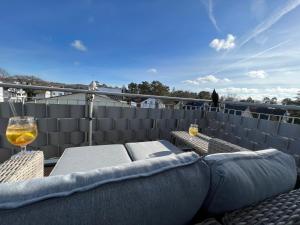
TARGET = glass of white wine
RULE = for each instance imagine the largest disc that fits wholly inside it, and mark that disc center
(21, 131)
(193, 130)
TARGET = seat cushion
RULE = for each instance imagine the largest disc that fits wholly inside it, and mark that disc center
(244, 178)
(86, 158)
(165, 190)
(151, 149)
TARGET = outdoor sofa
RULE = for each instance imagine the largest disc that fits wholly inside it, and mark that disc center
(157, 183)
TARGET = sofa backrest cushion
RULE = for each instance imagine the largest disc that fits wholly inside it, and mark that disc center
(163, 190)
(244, 178)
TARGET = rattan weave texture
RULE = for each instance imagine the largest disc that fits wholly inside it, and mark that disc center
(218, 146)
(200, 145)
(204, 144)
(22, 167)
(281, 210)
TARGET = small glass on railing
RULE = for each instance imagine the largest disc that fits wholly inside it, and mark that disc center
(193, 130)
(21, 131)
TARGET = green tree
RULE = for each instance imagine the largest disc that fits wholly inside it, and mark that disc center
(144, 88)
(204, 95)
(287, 101)
(183, 94)
(157, 88)
(215, 98)
(133, 88)
(30, 93)
(266, 100)
(273, 101)
(3, 73)
(249, 99)
(298, 98)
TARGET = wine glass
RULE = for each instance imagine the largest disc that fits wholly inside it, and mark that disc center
(21, 131)
(193, 130)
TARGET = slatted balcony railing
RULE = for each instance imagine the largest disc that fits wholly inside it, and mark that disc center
(65, 125)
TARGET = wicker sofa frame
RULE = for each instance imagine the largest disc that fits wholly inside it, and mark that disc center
(281, 210)
(22, 167)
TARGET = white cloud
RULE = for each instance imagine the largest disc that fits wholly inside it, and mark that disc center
(259, 74)
(234, 90)
(260, 93)
(274, 18)
(222, 44)
(191, 82)
(210, 9)
(78, 44)
(152, 70)
(206, 79)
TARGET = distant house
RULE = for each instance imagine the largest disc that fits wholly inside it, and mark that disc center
(1, 94)
(152, 103)
(57, 93)
(134, 104)
(285, 117)
(13, 94)
(16, 95)
(247, 113)
(49, 94)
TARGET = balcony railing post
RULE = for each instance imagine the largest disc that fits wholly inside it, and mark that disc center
(89, 111)
(89, 115)
(278, 124)
(258, 120)
(23, 106)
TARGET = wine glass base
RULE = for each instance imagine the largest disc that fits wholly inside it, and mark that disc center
(21, 153)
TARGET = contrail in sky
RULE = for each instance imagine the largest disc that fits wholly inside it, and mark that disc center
(252, 56)
(274, 18)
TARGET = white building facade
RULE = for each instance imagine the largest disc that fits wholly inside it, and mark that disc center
(1, 93)
(152, 103)
(49, 94)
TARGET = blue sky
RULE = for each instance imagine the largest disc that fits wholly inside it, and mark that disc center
(241, 48)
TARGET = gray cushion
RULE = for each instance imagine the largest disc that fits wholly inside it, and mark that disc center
(150, 149)
(86, 158)
(244, 178)
(166, 190)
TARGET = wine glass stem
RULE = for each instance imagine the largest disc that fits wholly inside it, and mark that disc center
(23, 149)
